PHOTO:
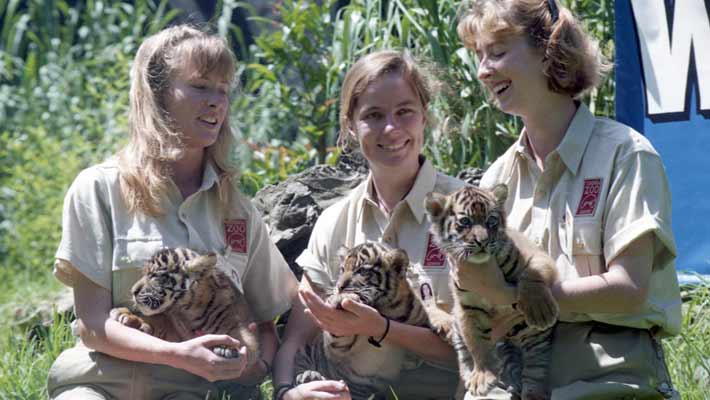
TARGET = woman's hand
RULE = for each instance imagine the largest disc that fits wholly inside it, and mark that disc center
(196, 356)
(332, 390)
(485, 279)
(354, 319)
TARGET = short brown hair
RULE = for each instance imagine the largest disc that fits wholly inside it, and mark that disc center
(368, 69)
(572, 62)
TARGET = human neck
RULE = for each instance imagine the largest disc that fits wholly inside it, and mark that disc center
(393, 184)
(545, 127)
(187, 172)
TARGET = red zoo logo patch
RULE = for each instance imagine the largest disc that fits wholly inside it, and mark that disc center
(590, 196)
(235, 234)
(434, 256)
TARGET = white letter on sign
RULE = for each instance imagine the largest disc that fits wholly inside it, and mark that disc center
(665, 64)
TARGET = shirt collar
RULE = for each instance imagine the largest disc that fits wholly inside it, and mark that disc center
(575, 140)
(209, 176)
(571, 149)
(423, 184)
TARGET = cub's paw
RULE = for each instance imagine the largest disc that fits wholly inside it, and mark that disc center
(480, 382)
(226, 352)
(537, 304)
(309, 376)
(125, 317)
(441, 322)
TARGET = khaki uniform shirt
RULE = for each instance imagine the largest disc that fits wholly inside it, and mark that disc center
(602, 188)
(109, 245)
(357, 219)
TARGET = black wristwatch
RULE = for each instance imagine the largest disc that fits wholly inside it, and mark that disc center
(281, 389)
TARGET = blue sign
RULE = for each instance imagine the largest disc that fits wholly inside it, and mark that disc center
(663, 91)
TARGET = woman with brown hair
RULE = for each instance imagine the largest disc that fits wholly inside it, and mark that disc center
(590, 191)
(383, 114)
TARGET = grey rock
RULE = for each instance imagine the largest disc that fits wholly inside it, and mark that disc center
(291, 208)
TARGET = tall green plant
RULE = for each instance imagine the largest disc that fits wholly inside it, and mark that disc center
(63, 99)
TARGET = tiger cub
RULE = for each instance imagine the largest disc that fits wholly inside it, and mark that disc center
(182, 294)
(373, 275)
(469, 225)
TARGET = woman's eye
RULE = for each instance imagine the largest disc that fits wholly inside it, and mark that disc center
(372, 115)
(405, 111)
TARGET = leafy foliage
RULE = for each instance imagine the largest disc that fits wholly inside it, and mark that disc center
(64, 94)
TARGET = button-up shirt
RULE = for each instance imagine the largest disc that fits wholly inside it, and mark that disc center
(109, 245)
(357, 219)
(603, 187)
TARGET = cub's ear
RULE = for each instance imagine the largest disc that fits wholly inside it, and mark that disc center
(434, 205)
(500, 192)
(201, 264)
(397, 259)
(342, 253)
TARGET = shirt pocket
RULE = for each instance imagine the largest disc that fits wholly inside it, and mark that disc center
(586, 243)
(235, 266)
(130, 255)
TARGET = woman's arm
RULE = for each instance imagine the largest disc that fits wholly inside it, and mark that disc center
(99, 332)
(299, 331)
(360, 319)
(622, 289)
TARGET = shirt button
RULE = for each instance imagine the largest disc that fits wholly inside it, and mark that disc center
(538, 242)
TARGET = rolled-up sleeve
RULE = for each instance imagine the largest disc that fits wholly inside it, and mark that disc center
(639, 202)
(269, 283)
(86, 246)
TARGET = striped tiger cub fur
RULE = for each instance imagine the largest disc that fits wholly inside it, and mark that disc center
(183, 294)
(469, 225)
(376, 276)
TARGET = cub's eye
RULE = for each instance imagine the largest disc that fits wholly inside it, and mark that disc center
(492, 221)
(464, 222)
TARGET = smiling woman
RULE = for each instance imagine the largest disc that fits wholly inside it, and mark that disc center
(590, 192)
(383, 108)
(171, 186)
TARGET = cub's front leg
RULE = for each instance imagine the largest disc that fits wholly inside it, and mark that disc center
(535, 299)
(440, 322)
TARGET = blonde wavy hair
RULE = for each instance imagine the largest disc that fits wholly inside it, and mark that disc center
(572, 61)
(368, 69)
(154, 143)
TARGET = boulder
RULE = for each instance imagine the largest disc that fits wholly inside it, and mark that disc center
(291, 208)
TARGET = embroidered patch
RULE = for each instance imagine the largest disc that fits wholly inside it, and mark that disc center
(434, 256)
(590, 197)
(235, 235)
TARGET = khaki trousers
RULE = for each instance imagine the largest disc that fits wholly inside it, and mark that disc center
(599, 361)
(81, 373)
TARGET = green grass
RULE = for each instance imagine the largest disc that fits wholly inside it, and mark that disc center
(24, 364)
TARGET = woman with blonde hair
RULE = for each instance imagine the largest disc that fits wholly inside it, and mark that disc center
(590, 191)
(171, 186)
(383, 114)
